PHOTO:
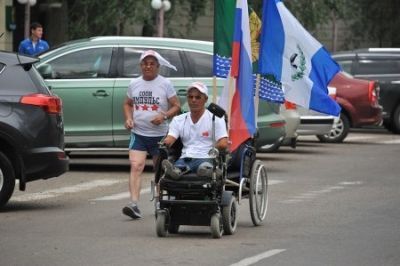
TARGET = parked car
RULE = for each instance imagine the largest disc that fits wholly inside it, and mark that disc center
(31, 126)
(382, 65)
(359, 102)
(316, 123)
(289, 112)
(92, 75)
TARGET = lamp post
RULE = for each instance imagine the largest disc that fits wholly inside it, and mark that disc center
(161, 6)
(28, 4)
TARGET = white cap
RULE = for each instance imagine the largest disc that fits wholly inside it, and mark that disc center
(200, 86)
(161, 60)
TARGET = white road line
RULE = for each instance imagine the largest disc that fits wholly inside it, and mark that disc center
(316, 193)
(392, 141)
(257, 258)
(357, 138)
(64, 190)
(349, 183)
(275, 182)
(125, 195)
(118, 196)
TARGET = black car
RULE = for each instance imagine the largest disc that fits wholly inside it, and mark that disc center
(383, 65)
(31, 126)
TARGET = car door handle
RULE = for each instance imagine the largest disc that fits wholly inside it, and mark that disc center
(100, 93)
(182, 92)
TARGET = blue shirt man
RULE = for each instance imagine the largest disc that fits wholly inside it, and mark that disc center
(34, 45)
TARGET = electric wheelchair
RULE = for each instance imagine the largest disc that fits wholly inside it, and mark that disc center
(211, 200)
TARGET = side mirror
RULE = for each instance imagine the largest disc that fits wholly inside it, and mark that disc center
(46, 71)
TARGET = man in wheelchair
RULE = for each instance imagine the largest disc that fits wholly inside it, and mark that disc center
(203, 186)
(195, 130)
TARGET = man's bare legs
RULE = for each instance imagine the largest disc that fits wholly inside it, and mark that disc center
(138, 161)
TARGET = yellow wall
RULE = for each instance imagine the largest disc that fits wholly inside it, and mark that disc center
(6, 41)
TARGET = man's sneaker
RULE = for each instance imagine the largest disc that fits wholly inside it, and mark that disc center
(132, 211)
(170, 170)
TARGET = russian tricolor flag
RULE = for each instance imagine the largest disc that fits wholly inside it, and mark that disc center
(242, 119)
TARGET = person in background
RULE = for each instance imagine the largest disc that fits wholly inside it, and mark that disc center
(151, 100)
(34, 45)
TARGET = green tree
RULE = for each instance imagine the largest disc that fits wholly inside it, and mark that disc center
(374, 23)
(109, 17)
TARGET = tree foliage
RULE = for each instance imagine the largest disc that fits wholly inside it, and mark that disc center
(110, 17)
(374, 23)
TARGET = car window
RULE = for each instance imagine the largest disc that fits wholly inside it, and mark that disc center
(200, 63)
(378, 67)
(16, 80)
(131, 68)
(83, 64)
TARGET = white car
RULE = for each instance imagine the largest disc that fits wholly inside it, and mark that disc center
(315, 123)
(289, 112)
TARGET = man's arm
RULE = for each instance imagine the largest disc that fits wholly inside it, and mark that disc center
(175, 106)
(21, 48)
(169, 140)
(222, 144)
(172, 111)
(128, 112)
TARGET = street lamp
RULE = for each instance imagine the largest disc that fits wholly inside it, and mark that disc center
(161, 6)
(28, 4)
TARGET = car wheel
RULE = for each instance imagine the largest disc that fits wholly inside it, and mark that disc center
(395, 125)
(338, 132)
(7, 179)
(388, 125)
(272, 147)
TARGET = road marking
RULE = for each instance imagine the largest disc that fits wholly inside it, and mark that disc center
(64, 190)
(316, 193)
(125, 195)
(119, 196)
(392, 141)
(357, 138)
(373, 139)
(257, 258)
(275, 182)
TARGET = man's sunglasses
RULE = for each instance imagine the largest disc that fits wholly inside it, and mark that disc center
(197, 97)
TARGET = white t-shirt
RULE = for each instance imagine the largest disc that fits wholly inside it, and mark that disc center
(197, 138)
(149, 99)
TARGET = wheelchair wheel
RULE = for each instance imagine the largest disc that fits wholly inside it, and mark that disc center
(173, 228)
(229, 217)
(161, 223)
(216, 226)
(258, 195)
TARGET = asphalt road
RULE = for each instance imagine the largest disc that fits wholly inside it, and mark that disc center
(329, 204)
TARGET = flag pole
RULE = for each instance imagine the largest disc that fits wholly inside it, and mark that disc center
(214, 95)
(230, 97)
(257, 97)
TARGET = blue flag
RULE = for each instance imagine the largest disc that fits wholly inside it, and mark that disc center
(296, 59)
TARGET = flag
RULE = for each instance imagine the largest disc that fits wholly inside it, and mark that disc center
(269, 90)
(242, 118)
(295, 58)
(224, 17)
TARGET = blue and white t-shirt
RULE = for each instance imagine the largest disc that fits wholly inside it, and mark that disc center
(150, 98)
